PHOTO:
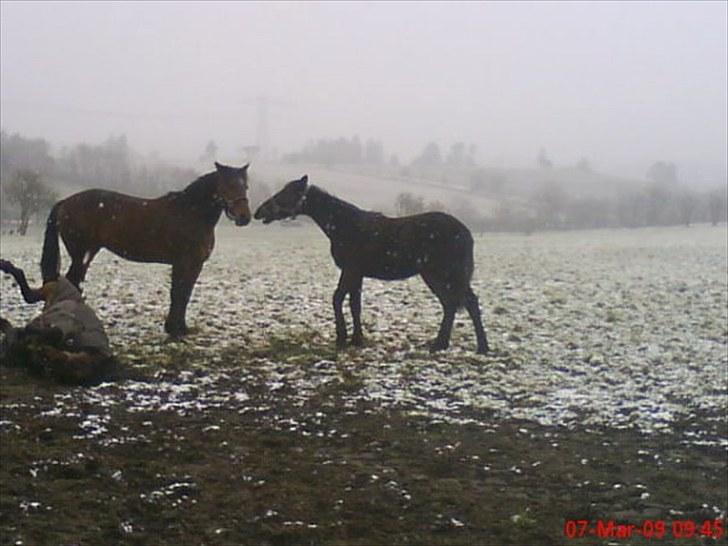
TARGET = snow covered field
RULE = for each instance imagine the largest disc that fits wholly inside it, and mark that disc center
(619, 328)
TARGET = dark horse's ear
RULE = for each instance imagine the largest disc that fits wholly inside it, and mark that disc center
(304, 179)
(218, 166)
(245, 167)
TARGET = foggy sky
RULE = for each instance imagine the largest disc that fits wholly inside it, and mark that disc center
(623, 84)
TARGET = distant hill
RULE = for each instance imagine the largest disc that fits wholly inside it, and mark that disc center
(379, 190)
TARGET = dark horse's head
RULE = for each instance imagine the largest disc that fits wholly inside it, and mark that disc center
(286, 203)
(232, 189)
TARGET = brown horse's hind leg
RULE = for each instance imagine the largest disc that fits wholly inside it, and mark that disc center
(184, 276)
(471, 304)
(81, 257)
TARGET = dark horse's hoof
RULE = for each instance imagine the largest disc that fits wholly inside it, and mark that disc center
(357, 341)
(483, 350)
(176, 330)
(438, 345)
(340, 343)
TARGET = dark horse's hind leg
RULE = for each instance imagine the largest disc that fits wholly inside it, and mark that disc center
(184, 276)
(442, 341)
(471, 304)
(445, 293)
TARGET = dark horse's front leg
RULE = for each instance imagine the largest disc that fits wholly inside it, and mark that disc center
(349, 283)
(338, 300)
(184, 276)
(357, 336)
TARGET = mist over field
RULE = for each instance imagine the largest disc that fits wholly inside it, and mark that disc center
(622, 85)
(580, 146)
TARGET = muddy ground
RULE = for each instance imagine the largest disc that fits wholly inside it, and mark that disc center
(349, 474)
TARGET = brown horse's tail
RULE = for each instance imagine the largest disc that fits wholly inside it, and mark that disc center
(50, 261)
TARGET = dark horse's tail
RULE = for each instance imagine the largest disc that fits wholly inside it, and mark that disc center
(50, 261)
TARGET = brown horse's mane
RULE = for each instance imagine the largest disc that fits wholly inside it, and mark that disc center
(196, 190)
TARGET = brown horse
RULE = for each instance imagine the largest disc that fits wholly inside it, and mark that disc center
(177, 229)
(434, 245)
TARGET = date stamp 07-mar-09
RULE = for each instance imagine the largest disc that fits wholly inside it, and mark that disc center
(649, 529)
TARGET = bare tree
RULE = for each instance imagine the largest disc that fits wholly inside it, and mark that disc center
(662, 172)
(686, 206)
(718, 205)
(630, 209)
(543, 161)
(584, 165)
(210, 153)
(550, 203)
(27, 190)
(407, 204)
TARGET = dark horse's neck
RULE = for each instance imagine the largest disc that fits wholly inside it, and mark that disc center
(201, 197)
(334, 216)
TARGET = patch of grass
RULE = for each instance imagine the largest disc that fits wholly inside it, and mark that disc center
(302, 347)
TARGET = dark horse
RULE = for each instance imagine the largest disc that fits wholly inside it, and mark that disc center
(177, 228)
(369, 244)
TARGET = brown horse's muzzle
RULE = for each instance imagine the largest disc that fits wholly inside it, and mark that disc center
(239, 212)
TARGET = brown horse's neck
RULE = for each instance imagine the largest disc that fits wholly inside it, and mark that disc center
(201, 196)
(334, 216)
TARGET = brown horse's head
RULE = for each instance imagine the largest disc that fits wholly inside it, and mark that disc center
(286, 203)
(232, 189)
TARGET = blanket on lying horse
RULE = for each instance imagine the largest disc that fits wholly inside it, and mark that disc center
(66, 342)
(65, 310)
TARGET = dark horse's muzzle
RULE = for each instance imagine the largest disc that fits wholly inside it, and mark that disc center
(269, 212)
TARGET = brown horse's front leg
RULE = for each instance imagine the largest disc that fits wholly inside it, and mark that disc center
(184, 276)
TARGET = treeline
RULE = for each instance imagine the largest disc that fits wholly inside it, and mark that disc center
(551, 208)
(111, 164)
(545, 197)
(340, 151)
(32, 177)
(430, 163)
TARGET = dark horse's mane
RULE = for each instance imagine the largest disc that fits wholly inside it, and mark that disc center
(337, 203)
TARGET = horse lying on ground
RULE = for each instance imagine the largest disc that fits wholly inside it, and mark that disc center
(177, 229)
(66, 342)
(434, 245)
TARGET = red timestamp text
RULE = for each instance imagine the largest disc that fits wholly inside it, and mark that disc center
(649, 529)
